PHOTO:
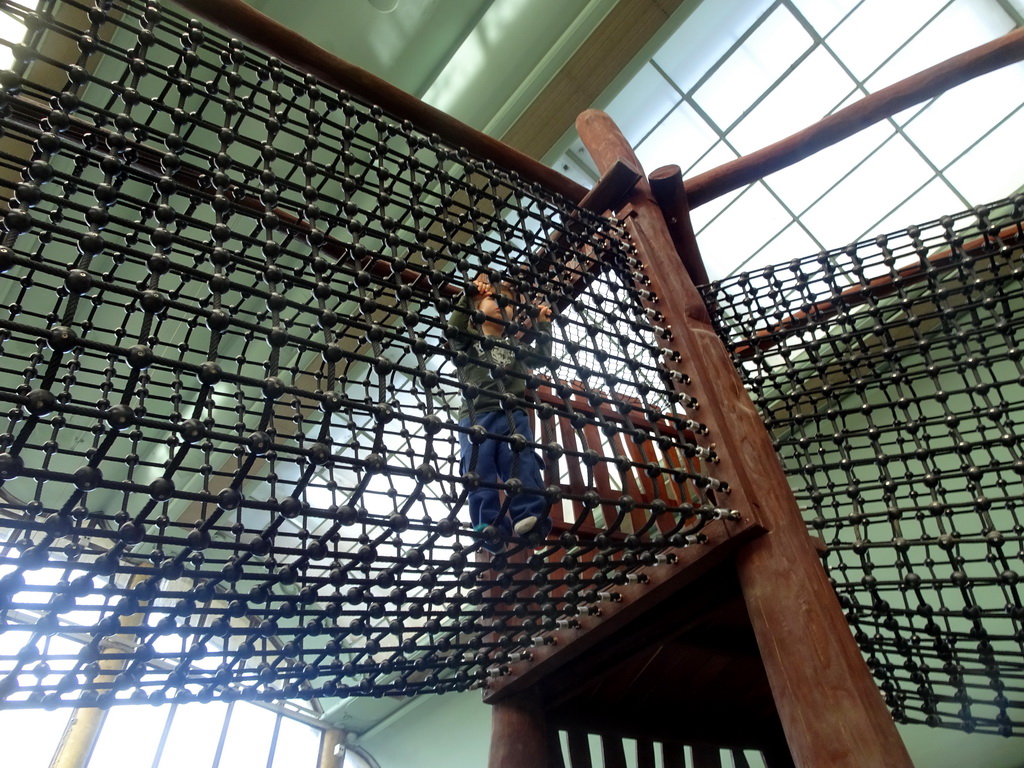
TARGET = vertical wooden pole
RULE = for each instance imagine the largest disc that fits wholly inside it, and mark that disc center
(645, 754)
(519, 733)
(79, 738)
(332, 749)
(579, 750)
(831, 710)
(613, 750)
(673, 755)
(706, 757)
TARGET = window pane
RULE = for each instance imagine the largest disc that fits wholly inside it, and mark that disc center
(947, 128)
(12, 31)
(809, 93)
(641, 104)
(990, 170)
(705, 37)
(876, 29)
(854, 208)
(931, 202)
(801, 184)
(792, 243)
(824, 15)
(762, 59)
(248, 740)
(195, 732)
(680, 140)
(129, 730)
(30, 736)
(741, 230)
(298, 745)
(962, 26)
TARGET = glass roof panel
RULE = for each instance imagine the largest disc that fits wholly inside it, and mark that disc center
(705, 37)
(740, 230)
(640, 105)
(682, 138)
(824, 15)
(12, 31)
(762, 59)
(873, 32)
(792, 243)
(963, 25)
(927, 204)
(810, 93)
(988, 170)
(803, 183)
(949, 126)
(881, 183)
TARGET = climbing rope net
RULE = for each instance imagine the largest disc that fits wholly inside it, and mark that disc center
(890, 375)
(229, 450)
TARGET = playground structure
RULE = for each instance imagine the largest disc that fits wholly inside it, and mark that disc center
(230, 463)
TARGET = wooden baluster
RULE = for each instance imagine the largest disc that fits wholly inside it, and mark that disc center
(706, 757)
(555, 758)
(613, 751)
(579, 750)
(637, 483)
(673, 755)
(572, 465)
(645, 754)
(602, 479)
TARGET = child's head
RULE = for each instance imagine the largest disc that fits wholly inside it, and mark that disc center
(497, 299)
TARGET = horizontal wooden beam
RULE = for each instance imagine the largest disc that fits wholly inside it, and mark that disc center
(241, 20)
(846, 122)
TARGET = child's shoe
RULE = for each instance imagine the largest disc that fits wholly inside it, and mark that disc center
(491, 538)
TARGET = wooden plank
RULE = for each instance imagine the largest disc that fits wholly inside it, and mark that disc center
(579, 749)
(602, 479)
(831, 709)
(555, 758)
(873, 108)
(645, 754)
(613, 752)
(723, 539)
(673, 755)
(638, 484)
(706, 757)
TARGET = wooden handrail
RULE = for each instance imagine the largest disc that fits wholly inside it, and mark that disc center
(873, 108)
(263, 32)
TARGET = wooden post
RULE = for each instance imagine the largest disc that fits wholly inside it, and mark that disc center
(79, 738)
(706, 757)
(831, 710)
(670, 192)
(332, 749)
(519, 733)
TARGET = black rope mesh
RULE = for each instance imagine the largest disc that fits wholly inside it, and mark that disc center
(890, 375)
(230, 452)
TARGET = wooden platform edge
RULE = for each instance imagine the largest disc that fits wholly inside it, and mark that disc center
(724, 537)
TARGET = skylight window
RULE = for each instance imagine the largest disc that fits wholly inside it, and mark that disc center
(12, 30)
(740, 74)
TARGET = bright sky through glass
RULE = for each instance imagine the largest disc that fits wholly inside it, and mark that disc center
(12, 31)
(741, 74)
